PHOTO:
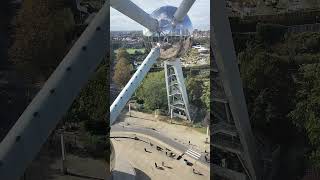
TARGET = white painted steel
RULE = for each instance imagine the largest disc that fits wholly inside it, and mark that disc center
(183, 9)
(33, 127)
(133, 84)
(178, 74)
(131, 10)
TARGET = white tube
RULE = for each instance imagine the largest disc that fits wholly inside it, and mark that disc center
(33, 127)
(183, 9)
(133, 84)
(131, 10)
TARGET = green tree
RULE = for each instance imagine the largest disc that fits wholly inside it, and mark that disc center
(205, 98)
(153, 91)
(122, 72)
(194, 88)
(122, 53)
(90, 105)
(270, 33)
(269, 92)
(42, 29)
(306, 114)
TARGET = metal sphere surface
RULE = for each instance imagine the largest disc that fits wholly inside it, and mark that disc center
(174, 37)
(165, 17)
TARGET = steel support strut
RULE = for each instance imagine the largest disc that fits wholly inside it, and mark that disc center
(183, 9)
(228, 69)
(131, 10)
(33, 127)
(133, 84)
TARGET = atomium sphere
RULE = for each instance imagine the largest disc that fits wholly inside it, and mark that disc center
(164, 15)
(174, 40)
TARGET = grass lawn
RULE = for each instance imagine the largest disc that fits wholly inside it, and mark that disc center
(132, 50)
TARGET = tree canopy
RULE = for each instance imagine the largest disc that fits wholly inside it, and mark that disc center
(90, 105)
(122, 53)
(153, 91)
(41, 34)
(306, 114)
(122, 72)
(282, 89)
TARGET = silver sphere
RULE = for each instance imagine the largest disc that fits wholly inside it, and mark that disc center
(175, 37)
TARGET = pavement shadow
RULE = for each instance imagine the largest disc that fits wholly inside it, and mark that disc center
(83, 176)
(140, 175)
(118, 175)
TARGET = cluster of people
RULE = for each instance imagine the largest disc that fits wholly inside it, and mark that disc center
(156, 165)
(206, 156)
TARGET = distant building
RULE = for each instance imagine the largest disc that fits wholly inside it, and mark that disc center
(200, 34)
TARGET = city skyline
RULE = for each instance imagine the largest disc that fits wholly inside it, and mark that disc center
(199, 14)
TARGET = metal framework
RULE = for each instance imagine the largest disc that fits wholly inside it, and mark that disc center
(26, 137)
(137, 14)
(133, 84)
(231, 130)
(178, 104)
(24, 140)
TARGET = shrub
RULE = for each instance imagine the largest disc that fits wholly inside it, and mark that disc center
(153, 92)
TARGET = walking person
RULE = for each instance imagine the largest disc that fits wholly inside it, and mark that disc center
(145, 150)
(155, 164)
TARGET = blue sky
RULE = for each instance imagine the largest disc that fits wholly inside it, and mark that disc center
(199, 14)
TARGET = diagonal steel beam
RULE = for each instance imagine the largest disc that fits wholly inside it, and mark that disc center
(228, 69)
(183, 10)
(131, 10)
(133, 84)
(24, 140)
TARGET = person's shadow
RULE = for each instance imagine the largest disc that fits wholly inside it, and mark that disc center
(168, 167)
(160, 168)
(145, 150)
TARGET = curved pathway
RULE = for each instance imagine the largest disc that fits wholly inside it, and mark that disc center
(155, 134)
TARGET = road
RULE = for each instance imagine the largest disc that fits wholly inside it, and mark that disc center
(155, 134)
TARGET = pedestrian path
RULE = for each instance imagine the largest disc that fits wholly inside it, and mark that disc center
(193, 153)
